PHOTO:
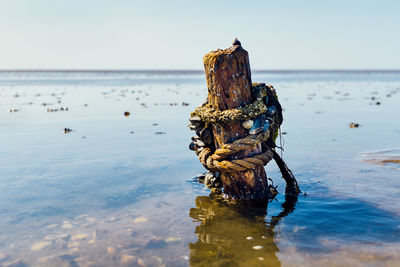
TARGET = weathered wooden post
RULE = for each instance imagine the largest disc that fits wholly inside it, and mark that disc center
(236, 126)
(229, 86)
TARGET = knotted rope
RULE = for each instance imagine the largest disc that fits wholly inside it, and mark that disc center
(208, 162)
(217, 161)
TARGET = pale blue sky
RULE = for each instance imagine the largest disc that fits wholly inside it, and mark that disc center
(121, 34)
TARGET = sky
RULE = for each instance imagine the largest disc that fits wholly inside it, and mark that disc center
(176, 34)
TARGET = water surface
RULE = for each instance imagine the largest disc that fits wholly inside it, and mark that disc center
(118, 190)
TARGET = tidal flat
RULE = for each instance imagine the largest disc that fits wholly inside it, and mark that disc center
(96, 171)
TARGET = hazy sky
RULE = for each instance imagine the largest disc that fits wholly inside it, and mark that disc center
(119, 34)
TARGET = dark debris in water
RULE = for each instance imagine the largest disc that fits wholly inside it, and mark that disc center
(354, 125)
(66, 130)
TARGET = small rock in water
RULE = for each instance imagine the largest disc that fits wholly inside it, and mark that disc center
(172, 239)
(159, 261)
(354, 125)
(257, 247)
(111, 250)
(128, 259)
(95, 233)
(13, 110)
(64, 108)
(40, 245)
(378, 103)
(66, 130)
(51, 226)
(51, 237)
(65, 236)
(127, 113)
(160, 133)
(67, 225)
(247, 124)
(80, 237)
(113, 219)
(185, 104)
(140, 219)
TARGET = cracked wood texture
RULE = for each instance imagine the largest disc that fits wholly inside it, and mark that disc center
(229, 86)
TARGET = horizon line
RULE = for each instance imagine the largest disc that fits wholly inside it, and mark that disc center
(197, 70)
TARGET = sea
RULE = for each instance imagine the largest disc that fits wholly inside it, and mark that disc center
(95, 170)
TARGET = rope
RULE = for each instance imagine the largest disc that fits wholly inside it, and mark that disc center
(225, 158)
(238, 145)
(217, 161)
(208, 162)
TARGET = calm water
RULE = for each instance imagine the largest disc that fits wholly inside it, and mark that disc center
(113, 192)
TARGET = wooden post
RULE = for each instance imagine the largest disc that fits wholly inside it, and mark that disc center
(229, 86)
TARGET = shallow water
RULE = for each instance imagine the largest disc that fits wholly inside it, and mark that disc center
(113, 192)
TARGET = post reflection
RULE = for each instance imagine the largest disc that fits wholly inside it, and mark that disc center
(234, 235)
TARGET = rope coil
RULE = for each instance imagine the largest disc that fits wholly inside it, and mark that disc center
(216, 161)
